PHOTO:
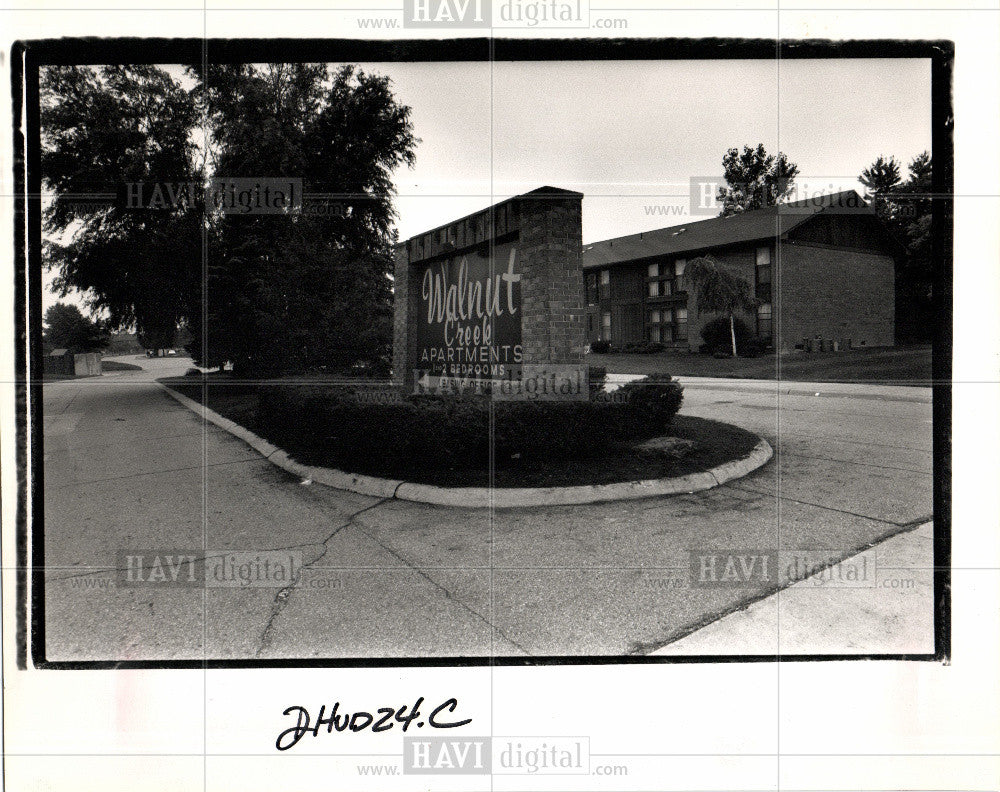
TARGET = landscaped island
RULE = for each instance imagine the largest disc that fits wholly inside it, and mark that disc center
(470, 440)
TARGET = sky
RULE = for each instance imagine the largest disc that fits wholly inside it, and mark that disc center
(630, 135)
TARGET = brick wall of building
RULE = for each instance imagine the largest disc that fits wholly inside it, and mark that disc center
(834, 293)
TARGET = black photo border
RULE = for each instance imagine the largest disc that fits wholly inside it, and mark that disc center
(28, 56)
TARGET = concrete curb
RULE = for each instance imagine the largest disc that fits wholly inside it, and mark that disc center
(484, 497)
(819, 393)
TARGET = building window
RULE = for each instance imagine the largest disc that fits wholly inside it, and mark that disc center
(666, 279)
(764, 320)
(653, 278)
(681, 324)
(606, 326)
(679, 283)
(654, 285)
(763, 274)
(659, 324)
(605, 290)
(661, 288)
(591, 288)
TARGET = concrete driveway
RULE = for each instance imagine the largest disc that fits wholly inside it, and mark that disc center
(129, 469)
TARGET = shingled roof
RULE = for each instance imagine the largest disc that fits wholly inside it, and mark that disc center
(719, 231)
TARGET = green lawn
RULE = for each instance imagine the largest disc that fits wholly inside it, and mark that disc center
(910, 365)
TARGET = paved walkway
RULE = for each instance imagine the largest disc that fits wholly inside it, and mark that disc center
(888, 609)
(127, 468)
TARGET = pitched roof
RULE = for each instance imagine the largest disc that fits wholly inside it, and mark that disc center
(718, 231)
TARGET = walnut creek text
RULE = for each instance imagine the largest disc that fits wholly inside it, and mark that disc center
(464, 309)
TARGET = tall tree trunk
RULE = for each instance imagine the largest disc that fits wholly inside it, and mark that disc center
(732, 333)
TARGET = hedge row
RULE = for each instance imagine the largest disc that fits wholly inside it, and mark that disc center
(386, 433)
(715, 334)
(630, 348)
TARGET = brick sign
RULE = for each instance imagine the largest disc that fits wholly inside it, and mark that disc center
(495, 296)
(468, 323)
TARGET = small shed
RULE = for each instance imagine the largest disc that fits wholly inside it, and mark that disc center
(63, 362)
(59, 361)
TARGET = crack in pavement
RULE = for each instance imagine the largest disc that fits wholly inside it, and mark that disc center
(86, 482)
(283, 595)
(204, 555)
(788, 453)
(71, 400)
(448, 594)
(817, 505)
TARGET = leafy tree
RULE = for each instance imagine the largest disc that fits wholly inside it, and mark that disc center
(720, 289)
(881, 180)
(916, 191)
(905, 206)
(754, 179)
(289, 292)
(716, 334)
(67, 328)
(269, 293)
(103, 128)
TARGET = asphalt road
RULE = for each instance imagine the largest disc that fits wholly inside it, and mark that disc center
(127, 468)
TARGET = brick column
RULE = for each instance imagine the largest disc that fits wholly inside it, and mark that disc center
(404, 317)
(550, 250)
